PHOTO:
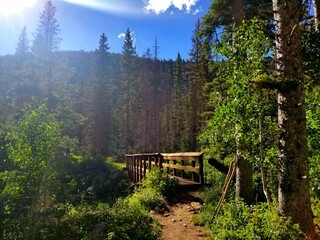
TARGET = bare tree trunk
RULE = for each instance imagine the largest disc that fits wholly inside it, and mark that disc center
(316, 9)
(294, 193)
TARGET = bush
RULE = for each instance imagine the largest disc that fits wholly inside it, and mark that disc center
(240, 221)
(150, 199)
(91, 179)
(124, 220)
(160, 182)
(316, 210)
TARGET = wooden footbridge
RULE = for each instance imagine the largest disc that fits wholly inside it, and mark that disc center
(187, 167)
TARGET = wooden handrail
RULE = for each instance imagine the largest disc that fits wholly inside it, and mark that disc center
(139, 164)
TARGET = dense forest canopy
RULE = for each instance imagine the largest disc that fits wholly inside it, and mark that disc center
(248, 95)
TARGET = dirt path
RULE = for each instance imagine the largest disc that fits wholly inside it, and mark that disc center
(178, 224)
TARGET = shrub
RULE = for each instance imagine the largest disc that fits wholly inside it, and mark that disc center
(149, 198)
(240, 221)
(160, 182)
(124, 220)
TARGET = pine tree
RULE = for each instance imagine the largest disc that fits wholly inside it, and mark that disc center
(99, 131)
(294, 193)
(197, 75)
(23, 43)
(179, 119)
(45, 43)
(47, 38)
(129, 93)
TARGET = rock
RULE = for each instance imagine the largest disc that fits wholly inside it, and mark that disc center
(166, 214)
(196, 206)
(185, 225)
(173, 220)
(152, 212)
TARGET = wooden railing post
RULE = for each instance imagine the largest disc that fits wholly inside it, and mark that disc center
(144, 166)
(193, 175)
(149, 163)
(140, 168)
(182, 171)
(174, 170)
(135, 169)
(160, 162)
(201, 175)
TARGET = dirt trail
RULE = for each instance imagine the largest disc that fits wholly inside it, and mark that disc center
(178, 224)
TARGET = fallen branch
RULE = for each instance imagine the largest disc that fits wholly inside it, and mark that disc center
(230, 175)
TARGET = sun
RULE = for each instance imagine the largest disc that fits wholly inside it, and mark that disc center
(15, 7)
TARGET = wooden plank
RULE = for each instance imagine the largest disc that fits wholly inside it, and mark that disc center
(186, 168)
(178, 158)
(183, 154)
(186, 182)
(195, 156)
(143, 154)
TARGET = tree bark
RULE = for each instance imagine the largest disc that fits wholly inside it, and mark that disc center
(316, 9)
(294, 193)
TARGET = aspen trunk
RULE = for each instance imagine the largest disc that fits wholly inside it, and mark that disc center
(244, 182)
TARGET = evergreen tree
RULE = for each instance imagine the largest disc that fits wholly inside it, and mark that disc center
(179, 114)
(294, 192)
(99, 129)
(45, 43)
(197, 74)
(156, 49)
(129, 94)
(23, 43)
(47, 38)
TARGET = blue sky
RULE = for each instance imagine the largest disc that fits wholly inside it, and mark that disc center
(83, 21)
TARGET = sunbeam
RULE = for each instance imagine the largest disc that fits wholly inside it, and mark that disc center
(110, 6)
(15, 7)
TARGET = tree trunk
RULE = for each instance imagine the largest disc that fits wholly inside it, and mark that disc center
(294, 194)
(316, 9)
(244, 182)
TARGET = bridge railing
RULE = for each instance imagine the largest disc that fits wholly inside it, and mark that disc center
(187, 165)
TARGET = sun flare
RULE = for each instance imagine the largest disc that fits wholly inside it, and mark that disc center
(15, 7)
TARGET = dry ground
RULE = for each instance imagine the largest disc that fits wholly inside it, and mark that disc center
(178, 223)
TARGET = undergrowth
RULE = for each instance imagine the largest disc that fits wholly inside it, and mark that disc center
(127, 218)
(237, 220)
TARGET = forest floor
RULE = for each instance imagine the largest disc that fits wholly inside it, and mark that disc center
(178, 223)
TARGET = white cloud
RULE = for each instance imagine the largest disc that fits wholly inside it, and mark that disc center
(121, 35)
(195, 12)
(160, 6)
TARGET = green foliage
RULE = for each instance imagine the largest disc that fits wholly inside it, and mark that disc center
(124, 220)
(148, 198)
(30, 148)
(239, 221)
(313, 128)
(85, 178)
(315, 203)
(153, 191)
(237, 106)
(160, 182)
(310, 53)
